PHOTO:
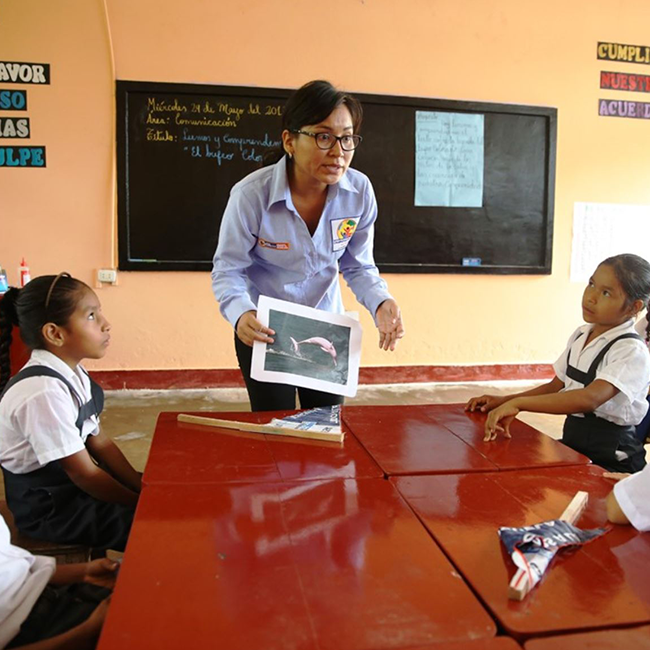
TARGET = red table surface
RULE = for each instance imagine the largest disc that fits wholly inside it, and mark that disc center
(637, 638)
(327, 565)
(603, 584)
(446, 439)
(191, 453)
(493, 643)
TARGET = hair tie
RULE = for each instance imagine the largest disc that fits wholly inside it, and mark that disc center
(51, 289)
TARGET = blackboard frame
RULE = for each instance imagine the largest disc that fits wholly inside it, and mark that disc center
(537, 244)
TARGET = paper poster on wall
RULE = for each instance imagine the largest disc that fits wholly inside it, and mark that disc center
(624, 108)
(312, 348)
(14, 127)
(449, 159)
(601, 230)
(635, 83)
(15, 72)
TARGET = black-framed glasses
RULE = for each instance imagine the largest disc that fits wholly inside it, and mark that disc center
(326, 140)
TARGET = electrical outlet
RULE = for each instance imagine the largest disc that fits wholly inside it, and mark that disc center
(108, 276)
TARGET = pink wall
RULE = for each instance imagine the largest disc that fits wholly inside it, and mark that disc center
(63, 217)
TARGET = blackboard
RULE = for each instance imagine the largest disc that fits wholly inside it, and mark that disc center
(181, 147)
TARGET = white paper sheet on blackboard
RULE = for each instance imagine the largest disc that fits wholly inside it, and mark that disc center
(449, 159)
(601, 230)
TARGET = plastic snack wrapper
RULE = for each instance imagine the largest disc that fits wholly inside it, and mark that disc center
(322, 418)
(533, 547)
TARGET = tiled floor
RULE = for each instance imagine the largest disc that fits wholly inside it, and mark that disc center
(130, 416)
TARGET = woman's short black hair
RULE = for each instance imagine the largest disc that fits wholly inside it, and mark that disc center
(311, 104)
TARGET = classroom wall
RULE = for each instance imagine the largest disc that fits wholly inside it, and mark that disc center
(507, 51)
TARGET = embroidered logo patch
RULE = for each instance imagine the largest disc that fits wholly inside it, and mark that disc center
(275, 245)
(342, 231)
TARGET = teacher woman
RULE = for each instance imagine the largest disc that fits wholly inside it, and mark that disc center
(290, 227)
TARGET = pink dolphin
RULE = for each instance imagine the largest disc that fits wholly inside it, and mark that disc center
(323, 344)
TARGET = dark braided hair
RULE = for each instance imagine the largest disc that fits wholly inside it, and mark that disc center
(311, 104)
(633, 273)
(46, 299)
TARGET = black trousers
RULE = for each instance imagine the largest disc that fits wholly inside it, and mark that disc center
(47, 505)
(266, 396)
(58, 610)
(600, 440)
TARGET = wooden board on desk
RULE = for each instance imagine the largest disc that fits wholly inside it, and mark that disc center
(186, 453)
(254, 427)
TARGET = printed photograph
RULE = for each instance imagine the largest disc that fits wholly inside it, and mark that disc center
(308, 347)
(311, 348)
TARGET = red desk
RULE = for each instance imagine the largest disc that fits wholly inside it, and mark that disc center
(327, 565)
(602, 585)
(637, 638)
(444, 438)
(188, 453)
(494, 643)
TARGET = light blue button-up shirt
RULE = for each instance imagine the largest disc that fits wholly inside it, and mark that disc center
(265, 247)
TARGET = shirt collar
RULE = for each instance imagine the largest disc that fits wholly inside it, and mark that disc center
(280, 184)
(45, 358)
(623, 328)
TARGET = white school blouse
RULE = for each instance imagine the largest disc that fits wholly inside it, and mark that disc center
(633, 496)
(626, 366)
(23, 577)
(38, 416)
(640, 327)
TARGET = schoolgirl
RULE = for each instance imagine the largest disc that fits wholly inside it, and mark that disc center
(602, 377)
(65, 480)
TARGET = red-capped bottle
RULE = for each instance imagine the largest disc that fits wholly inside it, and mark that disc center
(23, 273)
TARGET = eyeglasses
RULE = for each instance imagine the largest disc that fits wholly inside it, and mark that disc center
(328, 141)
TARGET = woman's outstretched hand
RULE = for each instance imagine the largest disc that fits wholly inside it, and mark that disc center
(389, 324)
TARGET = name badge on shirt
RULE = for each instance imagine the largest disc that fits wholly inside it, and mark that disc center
(342, 231)
(275, 245)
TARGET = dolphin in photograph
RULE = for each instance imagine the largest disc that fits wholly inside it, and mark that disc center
(323, 344)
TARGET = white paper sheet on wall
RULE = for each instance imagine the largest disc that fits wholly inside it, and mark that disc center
(449, 159)
(601, 230)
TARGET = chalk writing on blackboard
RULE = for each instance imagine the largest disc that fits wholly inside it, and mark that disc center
(448, 159)
(209, 128)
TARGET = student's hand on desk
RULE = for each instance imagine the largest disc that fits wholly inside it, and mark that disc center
(389, 323)
(484, 403)
(499, 420)
(102, 572)
(249, 329)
